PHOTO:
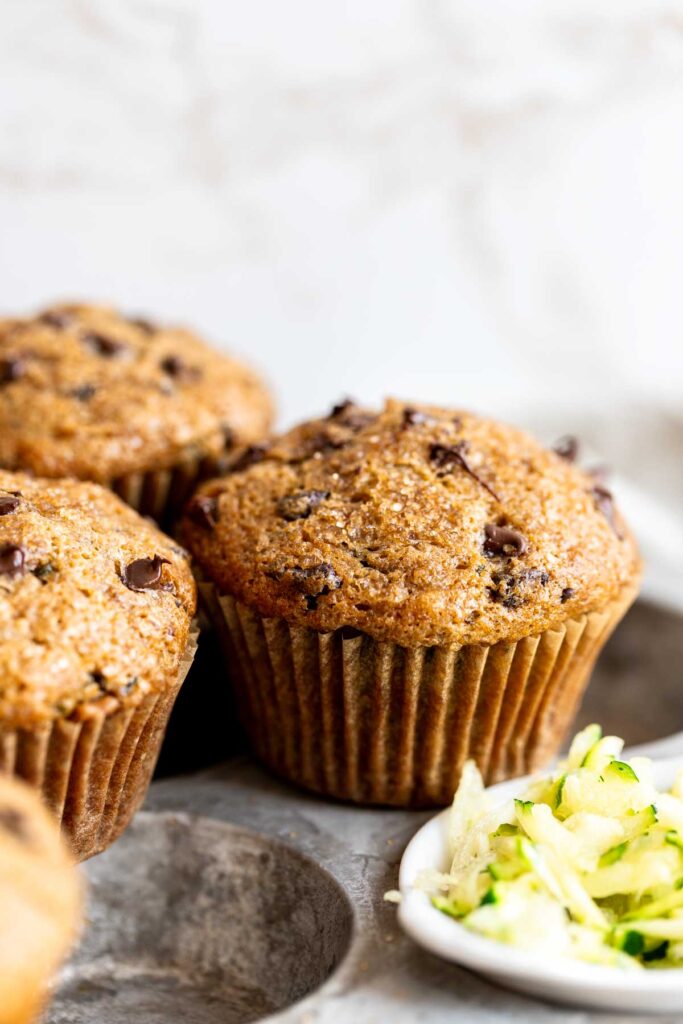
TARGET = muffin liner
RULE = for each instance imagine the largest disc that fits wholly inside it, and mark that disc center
(377, 723)
(162, 493)
(94, 773)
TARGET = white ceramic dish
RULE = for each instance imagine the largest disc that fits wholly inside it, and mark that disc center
(559, 980)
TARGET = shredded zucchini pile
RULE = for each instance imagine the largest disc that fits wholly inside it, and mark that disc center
(587, 864)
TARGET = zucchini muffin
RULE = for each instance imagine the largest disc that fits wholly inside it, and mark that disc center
(144, 410)
(399, 591)
(40, 903)
(96, 607)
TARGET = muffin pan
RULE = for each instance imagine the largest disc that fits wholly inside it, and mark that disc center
(235, 898)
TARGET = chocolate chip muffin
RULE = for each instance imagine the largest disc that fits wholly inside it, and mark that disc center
(143, 409)
(399, 591)
(40, 903)
(96, 607)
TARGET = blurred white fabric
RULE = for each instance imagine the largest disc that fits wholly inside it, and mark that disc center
(473, 203)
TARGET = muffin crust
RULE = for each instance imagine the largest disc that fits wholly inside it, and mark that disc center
(415, 525)
(95, 602)
(40, 901)
(89, 393)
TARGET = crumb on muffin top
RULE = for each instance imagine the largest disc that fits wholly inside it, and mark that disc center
(416, 525)
(87, 392)
(95, 602)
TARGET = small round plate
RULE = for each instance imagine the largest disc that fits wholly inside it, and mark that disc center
(562, 979)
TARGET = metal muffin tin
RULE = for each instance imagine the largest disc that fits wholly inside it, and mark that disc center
(235, 898)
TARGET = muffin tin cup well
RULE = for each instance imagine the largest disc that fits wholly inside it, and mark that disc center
(376, 723)
(93, 774)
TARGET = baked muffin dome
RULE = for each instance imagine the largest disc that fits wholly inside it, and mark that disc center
(89, 393)
(40, 902)
(416, 525)
(95, 602)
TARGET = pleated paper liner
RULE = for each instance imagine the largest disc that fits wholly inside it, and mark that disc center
(161, 494)
(375, 723)
(94, 773)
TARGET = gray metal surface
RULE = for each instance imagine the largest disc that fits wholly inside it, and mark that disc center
(195, 921)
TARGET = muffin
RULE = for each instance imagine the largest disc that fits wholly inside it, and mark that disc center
(40, 903)
(400, 591)
(96, 606)
(145, 410)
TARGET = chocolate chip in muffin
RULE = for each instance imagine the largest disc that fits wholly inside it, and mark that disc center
(413, 418)
(567, 447)
(203, 511)
(12, 560)
(447, 457)
(145, 574)
(15, 822)
(340, 408)
(605, 502)
(57, 318)
(82, 393)
(44, 572)
(300, 504)
(177, 368)
(313, 582)
(511, 589)
(8, 503)
(12, 369)
(144, 325)
(103, 345)
(249, 457)
(566, 595)
(503, 540)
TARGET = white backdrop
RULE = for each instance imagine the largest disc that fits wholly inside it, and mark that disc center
(471, 201)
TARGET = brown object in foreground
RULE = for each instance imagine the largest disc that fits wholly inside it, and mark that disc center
(95, 620)
(143, 409)
(40, 903)
(410, 617)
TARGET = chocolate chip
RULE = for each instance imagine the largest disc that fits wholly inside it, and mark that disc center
(249, 457)
(510, 588)
(103, 345)
(348, 415)
(448, 457)
(98, 679)
(314, 582)
(503, 540)
(8, 504)
(145, 574)
(44, 572)
(567, 448)
(12, 560)
(301, 504)
(566, 594)
(57, 318)
(341, 408)
(203, 511)
(130, 685)
(142, 324)
(413, 418)
(82, 393)
(175, 367)
(605, 502)
(15, 822)
(12, 369)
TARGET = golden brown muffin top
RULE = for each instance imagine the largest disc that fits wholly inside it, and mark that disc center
(416, 525)
(95, 602)
(89, 393)
(40, 900)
